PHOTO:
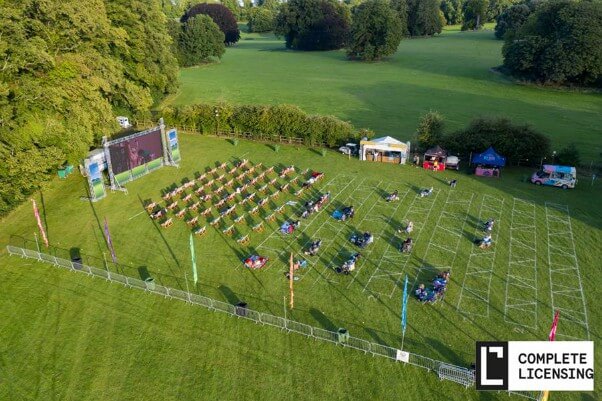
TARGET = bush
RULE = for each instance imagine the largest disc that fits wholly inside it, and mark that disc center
(569, 156)
(518, 143)
(261, 19)
(313, 24)
(200, 40)
(376, 31)
(263, 122)
(221, 15)
(560, 43)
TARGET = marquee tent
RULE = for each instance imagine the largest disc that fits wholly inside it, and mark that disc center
(385, 149)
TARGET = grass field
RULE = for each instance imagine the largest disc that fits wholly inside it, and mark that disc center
(450, 73)
(118, 336)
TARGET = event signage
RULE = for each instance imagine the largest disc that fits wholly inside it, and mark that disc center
(535, 366)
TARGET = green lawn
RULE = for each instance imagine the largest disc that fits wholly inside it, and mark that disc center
(450, 73)
(107, 342)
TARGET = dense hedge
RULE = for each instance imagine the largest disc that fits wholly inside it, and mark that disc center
(263, 122)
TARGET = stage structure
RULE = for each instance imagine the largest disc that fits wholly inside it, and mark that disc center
(131, 157)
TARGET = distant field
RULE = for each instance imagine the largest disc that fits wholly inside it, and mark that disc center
(450, 73)
(507, 294)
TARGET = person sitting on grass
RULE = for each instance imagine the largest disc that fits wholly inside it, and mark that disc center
(407, 245)
(348, 213)
(486, 242)
(408, 230)
(489, 225)
(314, 247)
(393, 196)
(426, 192)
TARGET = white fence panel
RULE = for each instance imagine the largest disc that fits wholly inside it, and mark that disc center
(359, 344)
(326, 335)
(300, 328)
(201, 300)
(272, 320)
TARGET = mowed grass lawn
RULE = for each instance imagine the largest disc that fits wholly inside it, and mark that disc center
(76, 337)
(450, 73)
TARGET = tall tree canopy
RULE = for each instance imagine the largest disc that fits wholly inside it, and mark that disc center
(475, 14)
(66, 65)
(313, 24)
(560, 43)
(401, 7)
(261, 19)
(452, 11)
(221, 15)
(424, 17)
(512, 18)
(375, 32)
(200, 40)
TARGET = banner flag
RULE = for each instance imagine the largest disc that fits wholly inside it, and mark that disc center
(404, 306)
(193, 259)
(552, 335)
(39, 221)
(291, 278)
(110, 242)
(545, 396)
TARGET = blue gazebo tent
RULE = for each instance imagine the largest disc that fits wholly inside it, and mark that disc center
(489, 158)
(488, 163)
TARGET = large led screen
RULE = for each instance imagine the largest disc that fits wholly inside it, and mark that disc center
(134, 152)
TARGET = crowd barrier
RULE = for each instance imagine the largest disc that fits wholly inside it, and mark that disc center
(444, 371)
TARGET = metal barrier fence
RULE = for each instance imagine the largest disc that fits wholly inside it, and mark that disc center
(444, 370)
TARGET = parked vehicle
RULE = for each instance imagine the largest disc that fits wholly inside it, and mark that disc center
(452, 162)
(557, 176)
(124, 122)
(349, 149)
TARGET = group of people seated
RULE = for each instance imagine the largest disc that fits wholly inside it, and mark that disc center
(255, 262)
(426, 192)
(288, 227)
(486, 241)
(344, 214)
(394, 196)
(315, 206)
(315, 176)
(313, 248)
(362, 240)
(349, 264)
(436, 292)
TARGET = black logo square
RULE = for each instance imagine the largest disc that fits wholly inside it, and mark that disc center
(492, 365)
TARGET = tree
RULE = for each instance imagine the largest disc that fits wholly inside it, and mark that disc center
(261, 19)
(401, 7)
(221, 15)
(497, 7)
(452, 11)
(66, 66)
(511, 19)
(518, 143)
(375, 32)
(475, 14)
(568, 156)
(424, 17)
(560, 43)
(430, 130)
(200, 40)
(269, 4)
(233, 6)
(313, 24)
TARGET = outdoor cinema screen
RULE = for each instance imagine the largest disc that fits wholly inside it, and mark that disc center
(131, 153)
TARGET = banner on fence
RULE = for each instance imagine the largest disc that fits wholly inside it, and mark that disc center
(110, 242)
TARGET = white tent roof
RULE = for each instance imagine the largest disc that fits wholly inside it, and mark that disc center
(387, 140)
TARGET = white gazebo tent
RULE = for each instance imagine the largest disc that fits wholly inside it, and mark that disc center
(385, 149)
